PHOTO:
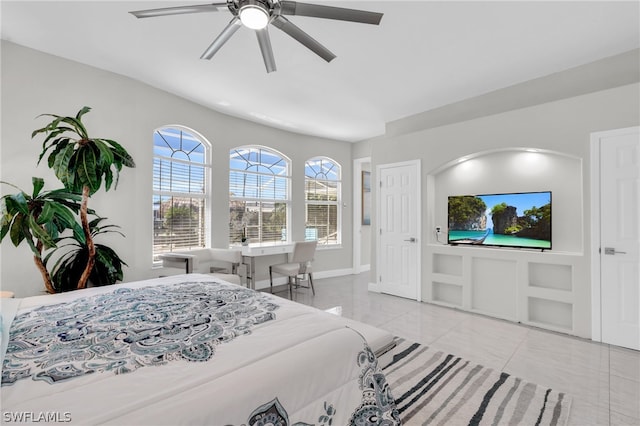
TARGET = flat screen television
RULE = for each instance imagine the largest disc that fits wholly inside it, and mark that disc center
(521, 220)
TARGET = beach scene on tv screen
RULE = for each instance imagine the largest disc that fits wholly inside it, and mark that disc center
(510, 220)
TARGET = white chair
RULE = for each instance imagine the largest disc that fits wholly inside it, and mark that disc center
(298, 266)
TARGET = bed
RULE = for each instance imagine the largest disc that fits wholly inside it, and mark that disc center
(187, 349)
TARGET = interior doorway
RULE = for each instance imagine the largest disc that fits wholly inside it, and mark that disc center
(398, 228)
(361, 227)
(616, 237)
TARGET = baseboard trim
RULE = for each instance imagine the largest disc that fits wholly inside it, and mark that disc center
(333, 273)
(282, 281)
(375, 288)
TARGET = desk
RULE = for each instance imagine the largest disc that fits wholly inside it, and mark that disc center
(178, 260)
(251, 252)
(186, 261)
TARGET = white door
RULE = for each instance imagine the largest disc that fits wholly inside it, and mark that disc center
(399, 229)
(619, 239)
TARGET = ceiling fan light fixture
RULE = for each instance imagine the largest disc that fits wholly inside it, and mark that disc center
(258, 14)
(254, 15)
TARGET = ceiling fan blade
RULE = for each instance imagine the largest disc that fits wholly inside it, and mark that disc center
(179, 10)
(288, 27)
(224, 36)
(265, 47)
(329, 12)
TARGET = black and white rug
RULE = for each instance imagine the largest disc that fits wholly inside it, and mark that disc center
(435, 388)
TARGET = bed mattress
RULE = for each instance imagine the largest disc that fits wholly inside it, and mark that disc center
(188, 349)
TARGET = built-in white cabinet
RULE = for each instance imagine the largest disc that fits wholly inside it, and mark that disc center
(527, 286)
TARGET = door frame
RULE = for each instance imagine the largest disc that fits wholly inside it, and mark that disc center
(357, 214)
(596, 291)
(418, 166)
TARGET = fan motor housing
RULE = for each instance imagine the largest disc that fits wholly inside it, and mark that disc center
(236, 5)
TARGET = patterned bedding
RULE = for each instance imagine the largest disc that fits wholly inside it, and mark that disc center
(189, 349)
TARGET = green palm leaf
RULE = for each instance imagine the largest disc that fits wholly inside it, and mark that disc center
(17, 203)
(106, 156)
(61, 164)
(108, 178)
(40, 233)
(47, 213)
(57, 146)
(38, 184)
(16, 232)
(63, 216)
(127, 160)
(86, 168)
(5, 219)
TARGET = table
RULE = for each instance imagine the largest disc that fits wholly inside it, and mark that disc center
(251, 252)
(180, 260)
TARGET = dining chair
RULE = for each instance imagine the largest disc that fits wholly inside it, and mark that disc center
(298, 266)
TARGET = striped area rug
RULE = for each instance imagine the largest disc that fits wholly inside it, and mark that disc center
(436, 388)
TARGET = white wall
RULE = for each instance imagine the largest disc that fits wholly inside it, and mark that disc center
(129, 111)
(562, 126)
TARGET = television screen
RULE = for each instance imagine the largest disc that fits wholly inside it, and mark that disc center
(507, 220)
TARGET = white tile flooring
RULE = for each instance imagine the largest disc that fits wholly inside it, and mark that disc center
(603, 380)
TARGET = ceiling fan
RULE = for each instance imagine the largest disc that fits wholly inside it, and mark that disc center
(257, 14)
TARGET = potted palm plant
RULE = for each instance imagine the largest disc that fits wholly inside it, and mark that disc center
(82, 164)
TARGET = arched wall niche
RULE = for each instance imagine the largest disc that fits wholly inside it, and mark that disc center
(513, 170)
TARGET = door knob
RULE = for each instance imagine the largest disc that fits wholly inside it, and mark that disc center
(612, 251)
(411, 240)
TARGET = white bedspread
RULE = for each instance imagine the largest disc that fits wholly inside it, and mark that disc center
(180, 350)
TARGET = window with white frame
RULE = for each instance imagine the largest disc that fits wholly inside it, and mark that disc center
(322, 199)
(259, 196)
(181, 168)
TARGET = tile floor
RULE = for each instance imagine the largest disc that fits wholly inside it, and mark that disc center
(603, 380)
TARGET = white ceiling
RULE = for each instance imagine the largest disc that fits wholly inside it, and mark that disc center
(424, 54)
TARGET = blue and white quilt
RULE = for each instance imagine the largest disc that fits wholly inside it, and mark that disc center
(127, 329)
(189, 349)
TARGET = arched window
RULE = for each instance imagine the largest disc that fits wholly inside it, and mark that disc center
(181, 170)
(259, 195)
(323, 216)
